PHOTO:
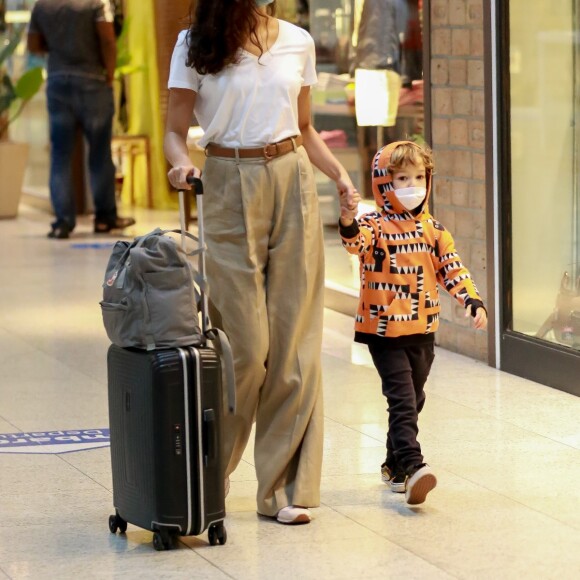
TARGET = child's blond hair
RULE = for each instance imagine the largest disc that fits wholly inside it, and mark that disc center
(411, 153)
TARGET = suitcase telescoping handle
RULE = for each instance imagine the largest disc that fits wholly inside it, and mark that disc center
(217, 336)
(197, 185)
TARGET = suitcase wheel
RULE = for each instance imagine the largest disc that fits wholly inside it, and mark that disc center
(116, 522)
(217, 533)
(162, 540)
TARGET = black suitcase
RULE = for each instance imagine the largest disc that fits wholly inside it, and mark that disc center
(165, 410)
(165, 414)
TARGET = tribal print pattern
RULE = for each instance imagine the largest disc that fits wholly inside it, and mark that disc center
(401, 262)
(403, 257)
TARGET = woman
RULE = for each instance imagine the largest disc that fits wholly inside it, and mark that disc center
(247, 77)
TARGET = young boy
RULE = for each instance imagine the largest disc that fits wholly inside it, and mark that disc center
(404, 252)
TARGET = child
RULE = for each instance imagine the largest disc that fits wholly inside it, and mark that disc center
(403, 253)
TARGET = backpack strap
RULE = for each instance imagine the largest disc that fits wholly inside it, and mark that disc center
(138, 242)
(186, 234)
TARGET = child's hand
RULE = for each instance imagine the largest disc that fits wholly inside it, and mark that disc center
(480, 319)
(348, 206)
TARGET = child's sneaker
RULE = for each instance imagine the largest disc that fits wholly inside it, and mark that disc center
(399, 482)
(386, 473)
(396, 478)
(421, 481)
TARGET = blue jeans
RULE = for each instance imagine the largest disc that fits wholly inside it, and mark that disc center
(75, 101)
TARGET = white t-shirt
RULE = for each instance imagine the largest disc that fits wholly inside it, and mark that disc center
(254, 102)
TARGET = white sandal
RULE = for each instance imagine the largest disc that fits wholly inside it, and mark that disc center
(294, 515)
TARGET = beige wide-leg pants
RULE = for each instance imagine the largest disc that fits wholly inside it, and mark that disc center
(265, 267)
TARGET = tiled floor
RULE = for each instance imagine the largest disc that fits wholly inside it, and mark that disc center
(506, 452)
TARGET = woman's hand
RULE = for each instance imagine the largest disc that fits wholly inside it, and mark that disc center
(348, 206)
(344, 186)
(349, 199)
(178, 175)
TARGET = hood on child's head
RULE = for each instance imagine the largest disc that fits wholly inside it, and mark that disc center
(382, 178)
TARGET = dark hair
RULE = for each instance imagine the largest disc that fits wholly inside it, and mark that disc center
(219, 28)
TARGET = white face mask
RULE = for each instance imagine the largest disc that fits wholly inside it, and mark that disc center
(411, 197)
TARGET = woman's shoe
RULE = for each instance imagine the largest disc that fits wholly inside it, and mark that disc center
(294, 515)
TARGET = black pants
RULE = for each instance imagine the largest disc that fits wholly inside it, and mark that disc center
(403, 373)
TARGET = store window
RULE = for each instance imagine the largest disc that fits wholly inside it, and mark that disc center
(370, 92)
(545, 170)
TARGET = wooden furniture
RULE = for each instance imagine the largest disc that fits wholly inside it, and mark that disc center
(126, 148)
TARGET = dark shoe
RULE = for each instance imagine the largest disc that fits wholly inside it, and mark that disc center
(399, 482)
(395, 477)
(421, 481)
(386, 473)
(119, 224)
(59, 232)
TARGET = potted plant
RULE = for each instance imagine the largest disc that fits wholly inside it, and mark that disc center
(14, 94)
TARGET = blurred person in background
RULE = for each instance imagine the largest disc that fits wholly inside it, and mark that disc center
(79, 37)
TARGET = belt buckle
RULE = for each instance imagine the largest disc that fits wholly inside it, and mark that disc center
(266, 154)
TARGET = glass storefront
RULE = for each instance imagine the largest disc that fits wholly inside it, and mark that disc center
(538, 140)
(545, 172)
(384, 40)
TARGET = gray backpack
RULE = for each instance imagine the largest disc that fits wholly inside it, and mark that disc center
(150, 299)
(149, 296)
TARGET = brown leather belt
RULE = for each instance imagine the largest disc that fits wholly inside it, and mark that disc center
(269, 151)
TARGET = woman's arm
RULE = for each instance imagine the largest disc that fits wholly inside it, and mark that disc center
(179, 115)
(319, 153)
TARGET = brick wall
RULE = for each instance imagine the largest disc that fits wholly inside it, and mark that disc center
(458, 141)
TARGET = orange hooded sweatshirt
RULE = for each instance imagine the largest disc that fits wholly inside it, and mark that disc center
(403, 255)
